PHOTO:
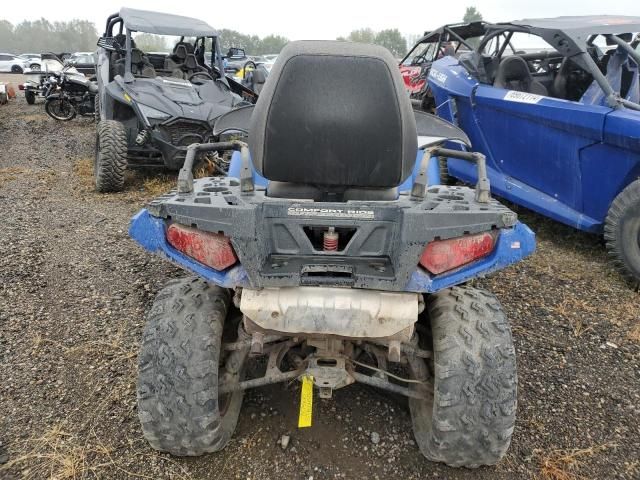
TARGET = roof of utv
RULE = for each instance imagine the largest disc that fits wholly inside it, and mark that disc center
(165, 24)
(464, 30)
(569, 35)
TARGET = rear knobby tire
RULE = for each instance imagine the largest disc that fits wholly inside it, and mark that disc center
(622, 233)
(30, 97)
(469, 419)
(178, 402)
(110, 160)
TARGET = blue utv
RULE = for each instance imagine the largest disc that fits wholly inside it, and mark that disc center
(554, 106)
(330, 271)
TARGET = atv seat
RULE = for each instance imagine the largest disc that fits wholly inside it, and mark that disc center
(140, 65)
(174, 61)
(322, 138)
(514, 74)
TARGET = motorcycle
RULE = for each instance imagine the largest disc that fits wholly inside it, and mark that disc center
(68, 95)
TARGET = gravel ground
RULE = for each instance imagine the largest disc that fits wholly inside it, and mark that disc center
(74, 290)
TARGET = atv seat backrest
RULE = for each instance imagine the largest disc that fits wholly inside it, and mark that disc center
(333, 122)
(140, 65)
(177, 58)
(514, 74)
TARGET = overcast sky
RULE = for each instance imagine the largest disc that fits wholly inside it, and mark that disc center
(325, 19)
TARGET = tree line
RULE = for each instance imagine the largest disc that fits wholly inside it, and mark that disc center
(81, 35)
(44, 36)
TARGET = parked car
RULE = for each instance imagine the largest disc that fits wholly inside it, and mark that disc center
(152, 107)
(560, 127)
(453, 40)
(34, 59)
(13, 63)
(84, 62)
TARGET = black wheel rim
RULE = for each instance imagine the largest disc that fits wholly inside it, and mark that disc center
(61, 110)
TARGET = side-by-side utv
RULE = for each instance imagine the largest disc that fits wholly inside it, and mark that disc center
(152, 106)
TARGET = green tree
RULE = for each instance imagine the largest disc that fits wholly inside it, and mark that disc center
(148, 42)
(272, 44)
(471, 14)
(364, 35)
(392, 40)
(7, 37)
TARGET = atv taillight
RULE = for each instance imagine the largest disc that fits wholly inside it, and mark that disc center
(212, 249)
(443, 255)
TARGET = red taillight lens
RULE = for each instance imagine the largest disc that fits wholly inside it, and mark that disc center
(443, 255)
(212, 249)
(21, 87)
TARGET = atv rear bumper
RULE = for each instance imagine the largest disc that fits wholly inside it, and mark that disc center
(272, 241)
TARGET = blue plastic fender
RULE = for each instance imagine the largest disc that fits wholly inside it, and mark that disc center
(150, 232)
(512, 245)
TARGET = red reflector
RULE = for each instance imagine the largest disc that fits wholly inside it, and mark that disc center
(21, 87)
(212, 249)
(443, 255)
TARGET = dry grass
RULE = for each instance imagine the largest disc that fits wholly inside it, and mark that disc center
(83, 170)
(564, 464)
(634, 333)
(12, 173)
(60, 455)
(73, 451)
(144, 184)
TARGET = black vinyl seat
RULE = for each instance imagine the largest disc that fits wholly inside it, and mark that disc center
(333, 123)
(514, 74)
(140, 65)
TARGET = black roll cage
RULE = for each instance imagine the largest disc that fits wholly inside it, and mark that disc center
(116, 19)
(572, 50)
(448, 29)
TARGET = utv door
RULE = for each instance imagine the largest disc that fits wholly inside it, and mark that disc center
(534, 146)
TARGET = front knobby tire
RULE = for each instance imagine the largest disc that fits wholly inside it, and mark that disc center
(178, 403)
(622, 233)
(110, 160)
(470, 416)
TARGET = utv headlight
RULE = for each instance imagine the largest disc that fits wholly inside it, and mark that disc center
(150, 112)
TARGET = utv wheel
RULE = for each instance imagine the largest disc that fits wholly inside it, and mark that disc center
(178, 402)
(469, 418)
(622, 233)
(30, 97)
(111, 156)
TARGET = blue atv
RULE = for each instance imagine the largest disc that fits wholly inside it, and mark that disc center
(330, 271)
(559, 124)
